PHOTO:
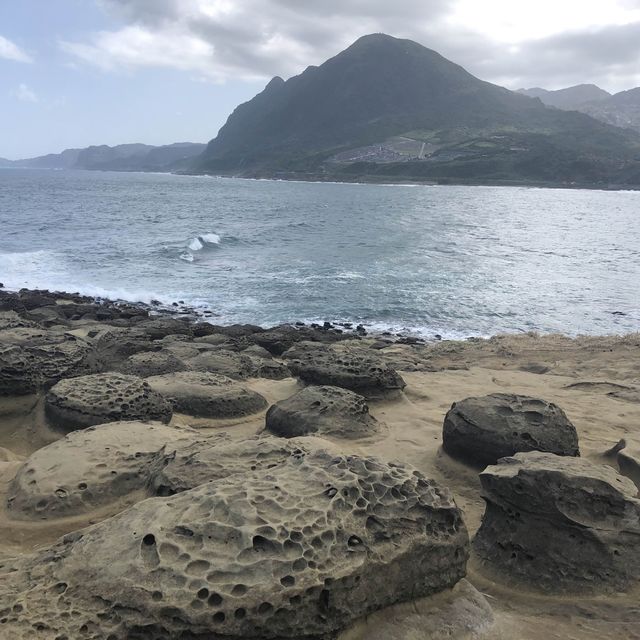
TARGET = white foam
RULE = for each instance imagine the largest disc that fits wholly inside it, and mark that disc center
(195, 245)
(187, 257)
(210, 238)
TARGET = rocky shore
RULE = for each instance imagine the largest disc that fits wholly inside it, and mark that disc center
(167, 478)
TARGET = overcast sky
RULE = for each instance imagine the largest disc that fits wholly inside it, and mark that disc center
(81, 72)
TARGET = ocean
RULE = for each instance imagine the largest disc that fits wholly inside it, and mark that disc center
(454, 261)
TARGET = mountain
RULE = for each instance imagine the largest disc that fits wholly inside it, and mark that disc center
(387, 108)
(571, 98)
(620, 109)
(123, 157)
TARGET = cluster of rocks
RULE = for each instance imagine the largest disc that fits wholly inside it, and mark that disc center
(553, 521)
(274, 536)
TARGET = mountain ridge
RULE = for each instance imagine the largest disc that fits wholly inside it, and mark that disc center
(123, 157)
(391, 107)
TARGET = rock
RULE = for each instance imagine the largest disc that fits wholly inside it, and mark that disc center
(461, 613)
(32, 358)
(158, 328)
(323, 411)
(92, 468)
(11, 320)
(300, 550)
(227, 363)
(481, 430)
(152, 363)
(104, 397)
(270, 369)
(629, 462)
(558, 523)
(360, 370)
(278, 339)
(207, 395)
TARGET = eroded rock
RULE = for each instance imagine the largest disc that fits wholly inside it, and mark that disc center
(84, 401)
(207, 395)
(152, 363)
(360, 370)
(322, 410)
(481, 430)
(299, 550)
(559, 523)
(93, 468)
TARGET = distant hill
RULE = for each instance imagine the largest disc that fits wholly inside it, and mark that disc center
(387, 108)
(570, 98)
(123, 157)
(620, 109)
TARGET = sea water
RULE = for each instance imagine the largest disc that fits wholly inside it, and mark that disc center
(450, 260)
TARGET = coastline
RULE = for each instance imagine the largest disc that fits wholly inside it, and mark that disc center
(594, 379)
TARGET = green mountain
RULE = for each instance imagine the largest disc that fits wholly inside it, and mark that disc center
(620, 109)
(387, 108)
(571, 98)
(123, 157)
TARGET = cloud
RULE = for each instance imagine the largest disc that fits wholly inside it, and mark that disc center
(11, 51)
(24, 93)
(515, 44)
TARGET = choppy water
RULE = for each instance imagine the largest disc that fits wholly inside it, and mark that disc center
(457, 261)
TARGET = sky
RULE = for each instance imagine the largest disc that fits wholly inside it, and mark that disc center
(80, 72)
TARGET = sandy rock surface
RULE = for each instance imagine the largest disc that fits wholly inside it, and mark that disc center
(322, 410)
(560, 524)
(104, 397)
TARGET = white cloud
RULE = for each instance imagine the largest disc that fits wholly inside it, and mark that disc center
(11, 51)
(498, 40)
(24, 93)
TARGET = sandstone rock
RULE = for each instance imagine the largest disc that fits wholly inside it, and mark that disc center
(92, 468)
(558, 523)
(151, 363)
(360, 370)
(629, 462)
(322, 410)
(227, 363)
(481, 430)
(158, 328)
(299, 550)
(104, 397)
(207, 395)
(461, 613)
(31, 358)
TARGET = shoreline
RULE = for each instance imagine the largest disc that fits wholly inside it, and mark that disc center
(54, 343)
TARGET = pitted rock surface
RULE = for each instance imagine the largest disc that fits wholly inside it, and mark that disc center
(558, 523)
(322, 410)
(481, 430)
(31, 358)
(152, 363)
(296, 551)
(104, 397)
(352, 368)
(207, 395)
(92, 468)
(226, 363)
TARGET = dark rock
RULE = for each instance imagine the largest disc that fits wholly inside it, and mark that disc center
(104, 397)
(482, 430)
(227, 363)
(357, 369)
(323, 411)
(557, 523)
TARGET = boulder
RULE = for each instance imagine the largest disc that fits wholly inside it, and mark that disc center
(360, 370)
(32, 358)
(483, 429)
(322, 411)
(92, 468)
(152, 363)
(299, 550)
(558, 523)
(207, 395)
(104, 397)
(227, 363)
